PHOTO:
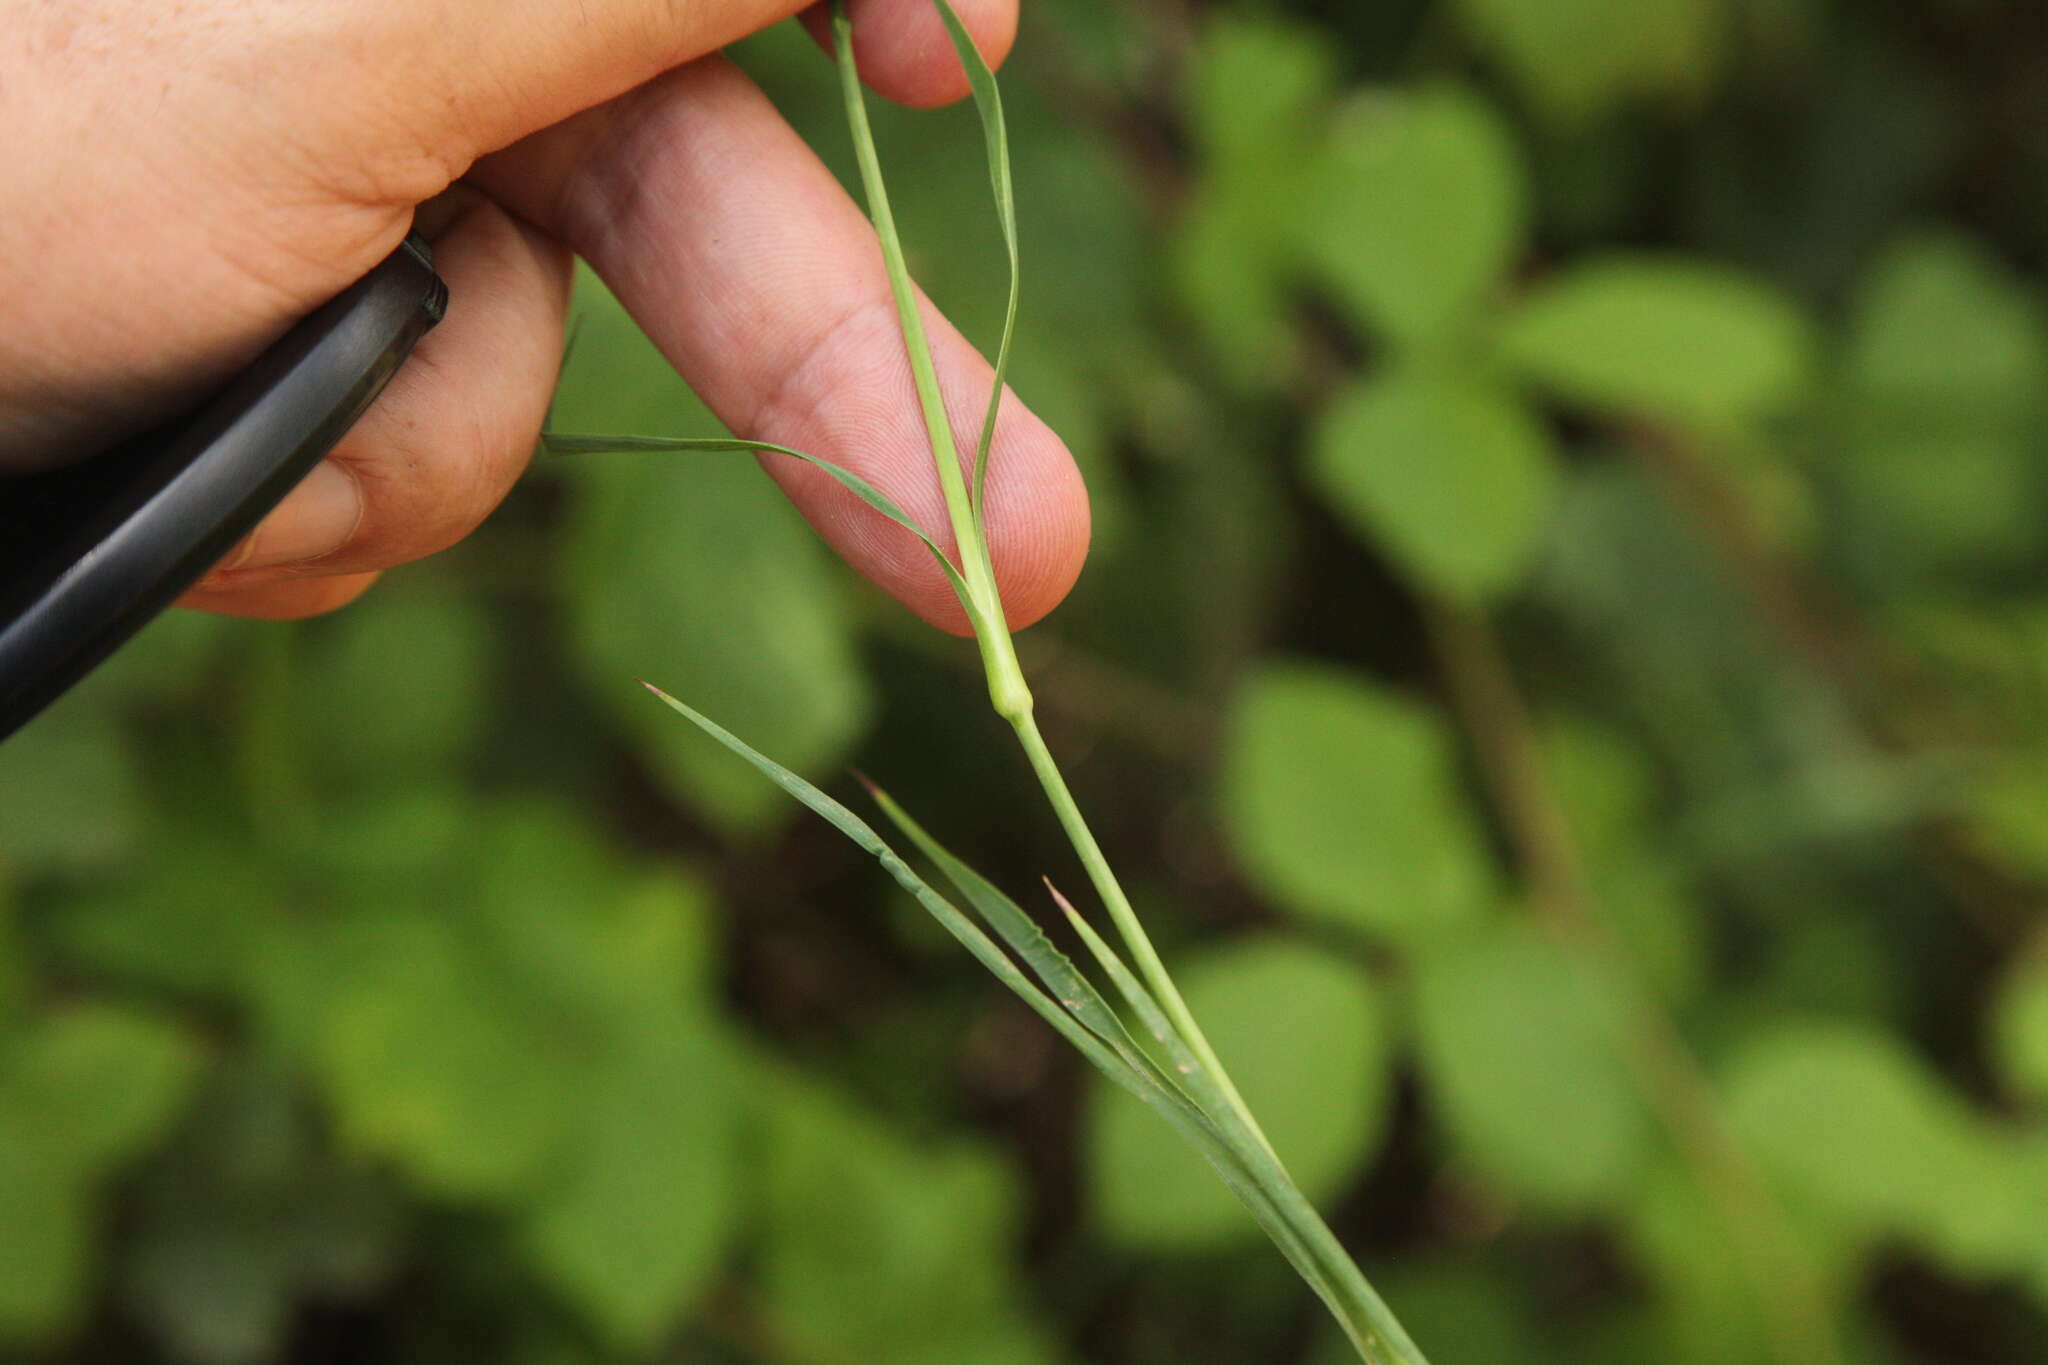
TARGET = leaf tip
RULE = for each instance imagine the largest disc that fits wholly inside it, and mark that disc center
(1066, 906)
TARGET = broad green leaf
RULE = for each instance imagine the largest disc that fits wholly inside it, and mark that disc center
(97, 1083)
(70, 795)
(1304, 1033)
(1947, 365)
(190, 921)
(1578, 58)
(1254, 97)
(578, 930)
(1647, 337)
(83, 1090)
(47, 1229)
(1421, 210)
(412, 669)
(1523, 1064)
(431, 1064)
(1453, 477)
(632, 1224)
(2008, 807)
(658, 943)
(1343, 801)
(2019, 1027)
(699, 574)
(1228, 277)
(875, 1249)
(699, 577)
(1943, 326)
(1256, 81)
(1852, 1125)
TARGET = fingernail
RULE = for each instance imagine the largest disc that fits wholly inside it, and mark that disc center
(315, 519)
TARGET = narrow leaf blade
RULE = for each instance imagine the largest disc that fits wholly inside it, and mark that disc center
(861, 488)
(1277, 1210)
(988, 102)
(1015, 927)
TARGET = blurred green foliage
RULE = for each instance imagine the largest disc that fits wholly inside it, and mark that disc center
(1564, 667)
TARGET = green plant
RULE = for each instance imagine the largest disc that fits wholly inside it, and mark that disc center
(1179, 1075)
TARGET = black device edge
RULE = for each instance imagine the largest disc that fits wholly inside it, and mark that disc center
(161, 509)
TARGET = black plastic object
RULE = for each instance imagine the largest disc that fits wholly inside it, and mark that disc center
(91, 552)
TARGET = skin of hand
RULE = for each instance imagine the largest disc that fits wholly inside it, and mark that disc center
(192, 176)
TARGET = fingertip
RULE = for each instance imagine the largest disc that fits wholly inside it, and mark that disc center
(1039, 525)
(904, 53)
(287, 600)
(1039, 529)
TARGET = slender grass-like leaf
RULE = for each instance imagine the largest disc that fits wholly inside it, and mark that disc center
(1175, 1049)
(865, 491)
(1269, 1191)
(988, 102)
(1008, 691)
(1250, 1143)
(1267, 1206)
(932, 404)
(1018, 929)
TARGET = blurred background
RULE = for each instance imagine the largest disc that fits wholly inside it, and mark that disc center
(1564, 668)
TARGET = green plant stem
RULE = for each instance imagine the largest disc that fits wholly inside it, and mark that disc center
(1007, 689)
(1121, 913)
(1238, 1147)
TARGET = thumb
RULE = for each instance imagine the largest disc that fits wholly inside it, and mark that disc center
(454, 79)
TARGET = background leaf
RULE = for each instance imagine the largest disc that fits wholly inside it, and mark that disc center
(427, 716)
(1945, 366)
(874, 1247)
(1520, 1048)
(633, 1225)
(1649, 337)
(1254, 97)
(1451, 476)
(1421, 211)
(1341, 800)
(431, 1065)
(2020, 1028)
(1868, 1138)
(1578, 58)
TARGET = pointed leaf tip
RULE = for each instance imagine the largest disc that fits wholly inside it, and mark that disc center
(1060, 900)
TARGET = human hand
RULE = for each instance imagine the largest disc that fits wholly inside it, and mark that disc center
(200, 174)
